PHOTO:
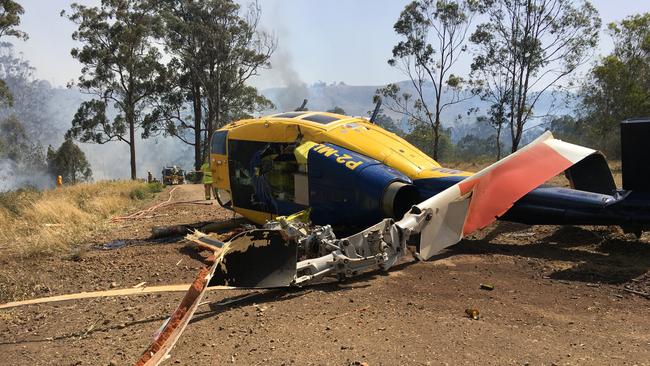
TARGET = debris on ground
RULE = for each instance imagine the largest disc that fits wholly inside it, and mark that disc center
(472, 313)
(639, 285)
(486, 286)
(158, 232)
(541, 281)
(174, 326)
(637, 292)
(115, 244)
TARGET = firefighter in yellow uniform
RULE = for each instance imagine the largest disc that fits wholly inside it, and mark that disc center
(207, 180)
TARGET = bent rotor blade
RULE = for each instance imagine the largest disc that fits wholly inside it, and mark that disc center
(257, 259)
(477, 201)
(174, 326)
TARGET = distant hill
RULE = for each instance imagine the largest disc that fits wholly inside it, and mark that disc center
(47, 111)
(357, 100)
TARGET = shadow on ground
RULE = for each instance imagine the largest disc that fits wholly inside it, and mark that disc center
(598, 254)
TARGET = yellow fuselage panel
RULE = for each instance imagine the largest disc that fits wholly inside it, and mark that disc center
(355, 134)
(219, 167)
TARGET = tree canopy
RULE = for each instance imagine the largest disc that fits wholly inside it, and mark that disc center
(68, 161)
(216, 48)
(524, 49)
(618, 86)
(121, 69)
(432, 35)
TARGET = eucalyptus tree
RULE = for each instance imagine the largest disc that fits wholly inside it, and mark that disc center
(432, 37)
(526, 47)
(121, 69)
(618, 86)
(181, 107)
(216, 48)
(235, 51)
(10, 12)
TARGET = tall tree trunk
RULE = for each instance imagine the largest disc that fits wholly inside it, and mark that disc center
(132, 147)
(499, 142)
(517, 139)
(208, 127)
(130, 120)
(217, 112)
(439, 89)
(514, 28)
(436, 136)
(213, 101)
(198, 156)
(521, 121)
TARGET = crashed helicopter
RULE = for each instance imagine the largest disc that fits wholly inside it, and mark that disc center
(304, 175)
(343, 173)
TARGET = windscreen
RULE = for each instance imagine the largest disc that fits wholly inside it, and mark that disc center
(219, 142)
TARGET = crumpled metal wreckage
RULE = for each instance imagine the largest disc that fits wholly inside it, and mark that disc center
(268, 257)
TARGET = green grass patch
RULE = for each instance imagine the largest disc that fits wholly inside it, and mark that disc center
(155, 187)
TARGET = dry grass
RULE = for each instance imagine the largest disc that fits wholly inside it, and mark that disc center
(58, 220)
(473, 165)
(559, 180)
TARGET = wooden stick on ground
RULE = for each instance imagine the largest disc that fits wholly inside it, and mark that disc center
(108, 293)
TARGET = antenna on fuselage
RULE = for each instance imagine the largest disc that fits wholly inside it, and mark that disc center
(302, 106)
(376, 111)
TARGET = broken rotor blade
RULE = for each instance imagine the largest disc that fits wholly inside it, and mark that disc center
(174, 326)
(257, 259)
(477, 201)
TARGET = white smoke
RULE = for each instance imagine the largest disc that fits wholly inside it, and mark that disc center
(288, 89)
(14, 176)
(112, 160)
(295, 90)
(107, 161)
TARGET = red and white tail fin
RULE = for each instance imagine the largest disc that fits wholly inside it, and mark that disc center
(478, 200)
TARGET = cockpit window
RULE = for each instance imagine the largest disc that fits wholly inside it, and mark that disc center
(219, 142)
(321, 118)
(289, 115)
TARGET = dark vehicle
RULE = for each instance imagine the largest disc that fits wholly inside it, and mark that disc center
(173, 175)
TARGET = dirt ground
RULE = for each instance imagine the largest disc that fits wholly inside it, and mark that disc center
(561, 297)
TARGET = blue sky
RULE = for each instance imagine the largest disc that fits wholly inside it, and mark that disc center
(331, 41)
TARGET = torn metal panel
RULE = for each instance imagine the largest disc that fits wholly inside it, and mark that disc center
(445, 228)
(257, 259)
(495, 189)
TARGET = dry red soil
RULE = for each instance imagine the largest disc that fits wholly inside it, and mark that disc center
(561, 296)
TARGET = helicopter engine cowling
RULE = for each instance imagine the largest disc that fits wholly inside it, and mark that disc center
(347, 187)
